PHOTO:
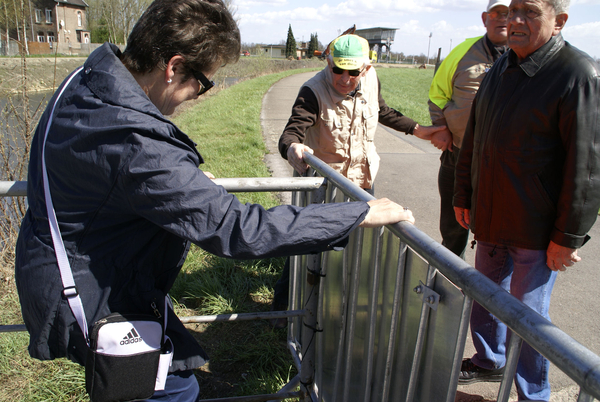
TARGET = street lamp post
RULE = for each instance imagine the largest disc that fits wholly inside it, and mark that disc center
(427, 61)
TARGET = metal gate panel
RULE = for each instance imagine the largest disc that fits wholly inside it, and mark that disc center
(369, 323)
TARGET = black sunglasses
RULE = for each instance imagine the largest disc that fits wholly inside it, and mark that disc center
(352, 73)
(205, 83)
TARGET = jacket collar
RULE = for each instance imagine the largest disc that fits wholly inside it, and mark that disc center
(110, 81)
(535, 61)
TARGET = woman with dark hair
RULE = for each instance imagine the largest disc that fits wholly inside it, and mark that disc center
(129, 198)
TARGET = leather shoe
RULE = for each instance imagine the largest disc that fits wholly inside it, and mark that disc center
(470, 373)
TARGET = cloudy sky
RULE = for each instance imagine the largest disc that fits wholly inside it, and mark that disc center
(449, 21)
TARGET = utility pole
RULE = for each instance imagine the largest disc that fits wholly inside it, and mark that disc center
(450, 46)
(430, 35)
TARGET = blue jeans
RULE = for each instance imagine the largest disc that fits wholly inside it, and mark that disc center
(524, 274)
(181, 386)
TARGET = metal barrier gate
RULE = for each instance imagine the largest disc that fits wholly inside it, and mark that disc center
(386, 318)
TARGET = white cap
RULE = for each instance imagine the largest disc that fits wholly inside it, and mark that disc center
(494, 3)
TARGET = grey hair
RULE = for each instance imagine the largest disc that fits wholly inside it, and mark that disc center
(560, 6)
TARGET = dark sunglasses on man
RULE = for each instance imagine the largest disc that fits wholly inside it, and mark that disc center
(340, 71)
(205, 83)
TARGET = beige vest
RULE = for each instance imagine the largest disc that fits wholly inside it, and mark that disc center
(345, 129)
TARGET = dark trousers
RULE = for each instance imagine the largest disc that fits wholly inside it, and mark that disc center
(454, 236)
(281, 289)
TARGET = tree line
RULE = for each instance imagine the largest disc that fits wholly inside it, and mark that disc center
(291, 46)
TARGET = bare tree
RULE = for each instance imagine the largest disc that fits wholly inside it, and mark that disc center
(7, 26)
(119, 16)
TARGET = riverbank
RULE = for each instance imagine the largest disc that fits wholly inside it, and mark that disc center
(43, 73)
(46, 73)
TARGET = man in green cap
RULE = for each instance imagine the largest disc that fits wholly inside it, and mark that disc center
(335, 117)
(336, 113)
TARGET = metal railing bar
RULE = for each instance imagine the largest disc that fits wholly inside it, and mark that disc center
(310, 324)
(344, 184)
(261, 184)
(375, 279)
(313, 395)
(421, 333)
(204, 318)
(343, 319)
(13, 328)
(258, 398)
(295, 262)
(385, 325)
(320, 338)
(232, 185)
(394, 330)
(510, 368)
(241, 316)
(584, 397)
(13, 188)
(351, 314)
(290, 386)
(295, 356)
(459, 350)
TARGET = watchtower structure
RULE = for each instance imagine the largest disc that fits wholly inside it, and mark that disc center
(378, 37)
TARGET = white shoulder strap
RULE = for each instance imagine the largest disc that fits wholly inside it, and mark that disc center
(70, 290)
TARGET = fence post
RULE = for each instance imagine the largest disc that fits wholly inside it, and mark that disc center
(310, 325)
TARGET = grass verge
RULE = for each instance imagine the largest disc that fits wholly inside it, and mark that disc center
(407, 90)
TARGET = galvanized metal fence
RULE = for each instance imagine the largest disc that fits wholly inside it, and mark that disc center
(387, 317)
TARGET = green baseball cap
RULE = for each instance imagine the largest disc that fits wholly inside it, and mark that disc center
(349, 52)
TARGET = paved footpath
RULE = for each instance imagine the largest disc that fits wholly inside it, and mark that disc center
(408, 176)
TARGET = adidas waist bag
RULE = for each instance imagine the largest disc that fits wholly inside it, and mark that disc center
(123, 358)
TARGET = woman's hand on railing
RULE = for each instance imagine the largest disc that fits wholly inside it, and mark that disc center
(385, 212)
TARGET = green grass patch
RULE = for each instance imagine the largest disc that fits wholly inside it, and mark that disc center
(28, 380)
(407, 91)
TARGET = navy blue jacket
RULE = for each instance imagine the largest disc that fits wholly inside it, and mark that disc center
(129, 199)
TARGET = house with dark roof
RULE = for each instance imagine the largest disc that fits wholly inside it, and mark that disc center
(60, 22)
(51, 26)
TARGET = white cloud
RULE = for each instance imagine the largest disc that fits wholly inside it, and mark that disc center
(590, 29)
(584, 36)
